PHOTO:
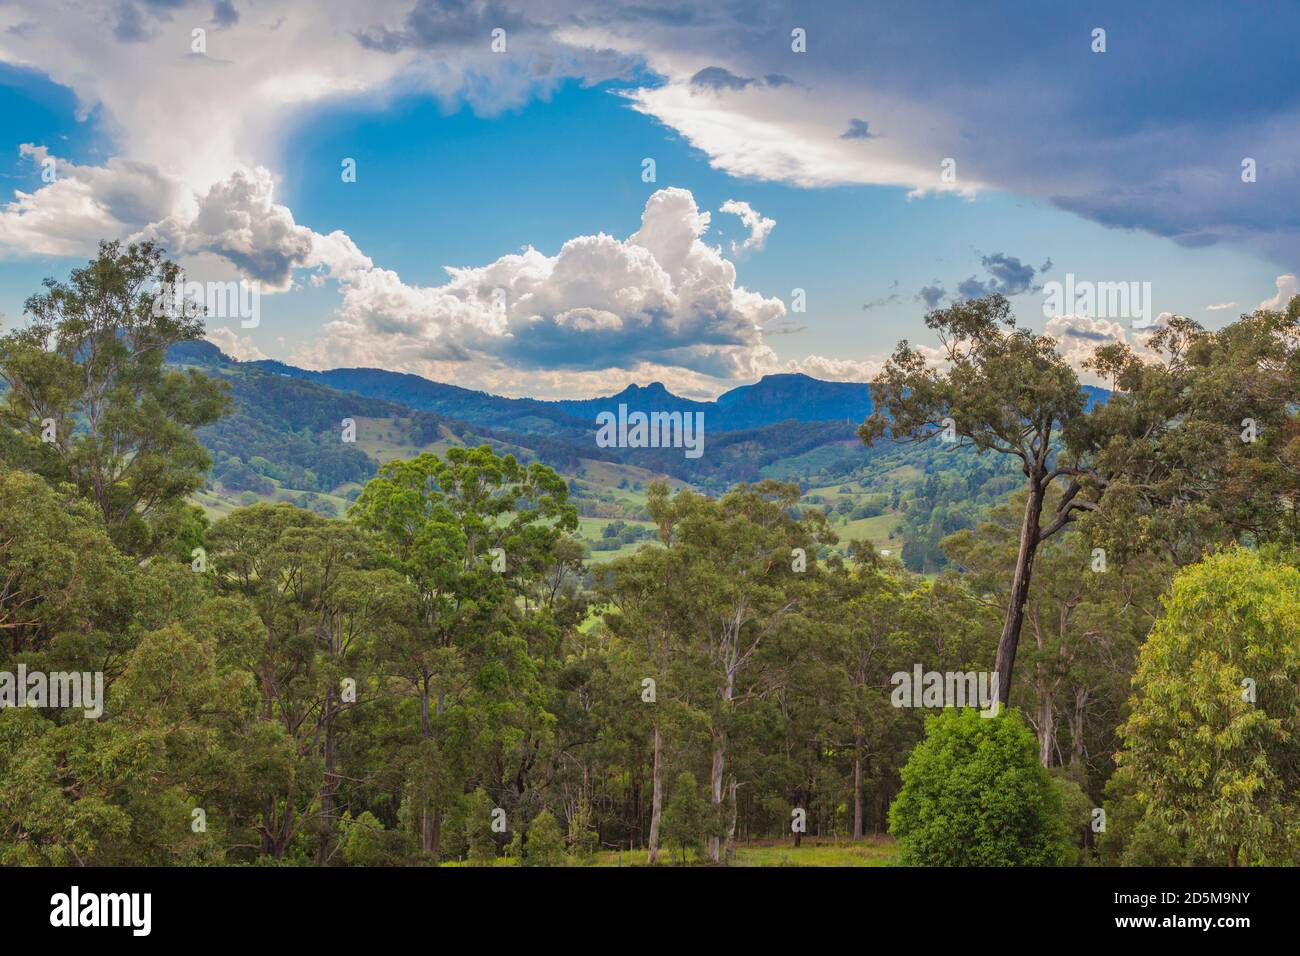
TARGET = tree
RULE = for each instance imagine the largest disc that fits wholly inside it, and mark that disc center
(474, 533)
(1164, 450)
(974, 794)
(865, 622)
(739, 589)
(90, 401)
(326, 610)
(1007, 392)
(641, 590)
(689, 821)
(1213, 741)
(1086, 620)
(478, 828)
(545, 845)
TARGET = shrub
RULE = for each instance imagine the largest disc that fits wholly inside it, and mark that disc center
(478, 828)
(974, 794)
(545, 845)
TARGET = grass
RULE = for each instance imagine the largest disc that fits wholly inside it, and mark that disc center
(876, 850)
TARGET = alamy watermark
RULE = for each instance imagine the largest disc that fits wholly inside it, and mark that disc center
(652, 430)
(66, 689)
(215, 300)
(1099, 300)
(947, 689)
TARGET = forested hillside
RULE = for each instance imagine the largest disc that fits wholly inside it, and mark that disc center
(408, 648)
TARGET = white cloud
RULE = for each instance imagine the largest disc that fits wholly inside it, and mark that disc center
(1219, 306)
(759, 226)
(237, 346)
(1287, 287)
(836, 370)
(68, 217)
(661, 299)
(238, 220)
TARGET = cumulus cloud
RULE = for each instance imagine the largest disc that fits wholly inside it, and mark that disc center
(68, 217)
(1287, 287)
(759, 226)
(239, 220)
(239, 347)
(836, 370)
(660, 297)
(1077, 336)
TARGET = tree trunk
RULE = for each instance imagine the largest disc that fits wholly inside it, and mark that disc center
(857, 789)
(657, 798)
(1046, 727)
(715, 782)
(1019, 589)
(1077, 749)
(730, 851)
(329, 784)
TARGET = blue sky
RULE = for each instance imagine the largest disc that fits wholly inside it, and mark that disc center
(1120, 165)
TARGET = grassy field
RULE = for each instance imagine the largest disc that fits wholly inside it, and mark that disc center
(873, 851)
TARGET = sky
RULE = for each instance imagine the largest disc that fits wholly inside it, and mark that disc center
(557, 199)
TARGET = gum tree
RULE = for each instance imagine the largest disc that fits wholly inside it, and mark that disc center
(1004, 390)
(90, 400)
(476, 534)
(1169, 450)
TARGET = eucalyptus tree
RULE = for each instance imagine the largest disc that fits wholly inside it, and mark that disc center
(476, 534)
(1172, 450)
(90, 400)
(744, 559)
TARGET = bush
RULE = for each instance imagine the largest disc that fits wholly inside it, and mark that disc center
(687, 820)
(974, 794)
(1134, 837)
(545, 845)
(478, 829)
(365, 842)
(1076, 814)
(1213, 739)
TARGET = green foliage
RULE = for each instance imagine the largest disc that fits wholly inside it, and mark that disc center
(689, 820)
(545, 846)
(90, 366)
(1076, 814)
(478, 828)
(974, 794)
(1214, 736)
(365, 842)
(583, 840)
(1134, 837)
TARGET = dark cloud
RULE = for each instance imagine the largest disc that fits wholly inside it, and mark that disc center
(130, 26)
(889, 299)
(434, 24)
(858, 129)
(224, 13)
(1006, 275)
(932, 295)
(716, 78)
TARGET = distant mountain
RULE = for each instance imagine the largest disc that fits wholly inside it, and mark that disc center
(771, 400)
(776, 398)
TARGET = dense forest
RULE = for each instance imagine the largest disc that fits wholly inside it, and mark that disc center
(439, 676)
